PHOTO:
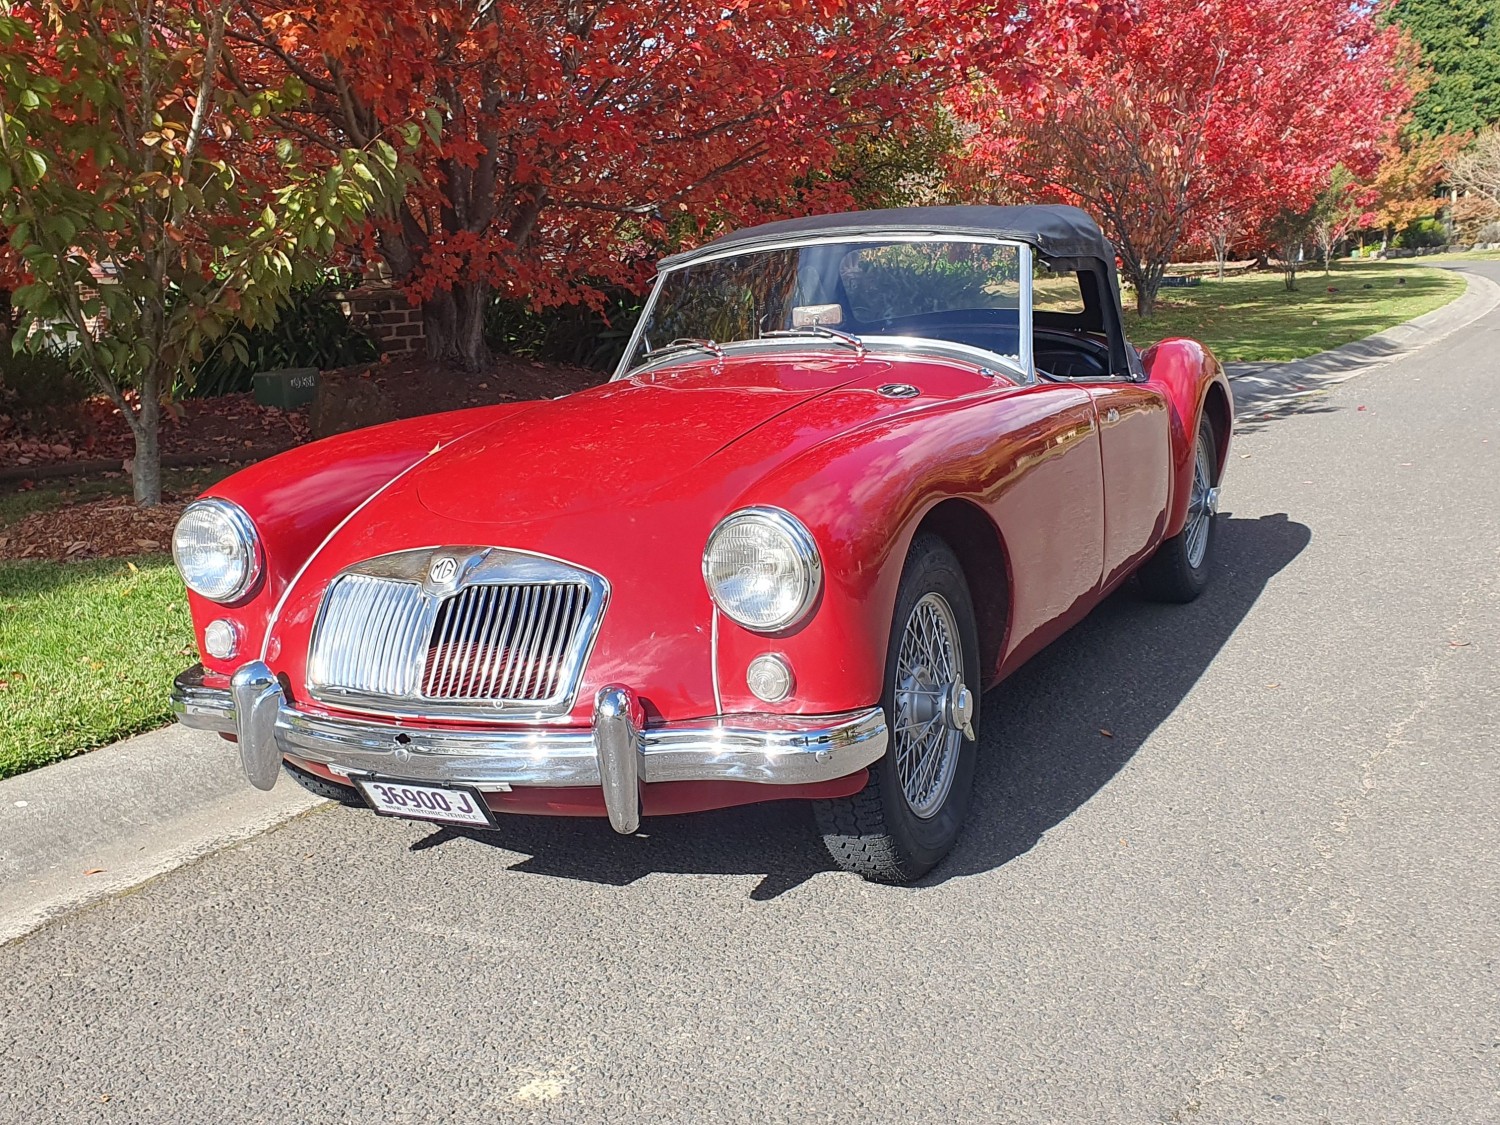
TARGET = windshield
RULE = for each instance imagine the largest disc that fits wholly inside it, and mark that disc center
(960, 291)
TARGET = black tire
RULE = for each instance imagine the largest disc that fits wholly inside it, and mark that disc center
(343, 794)
(1170, 574)
(876, 833)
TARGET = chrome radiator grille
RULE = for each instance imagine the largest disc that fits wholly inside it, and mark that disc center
(369, 634)
(423, 632)
(503, 642)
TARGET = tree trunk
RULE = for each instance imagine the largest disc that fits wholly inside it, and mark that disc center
(454, 324)
(1221, 257)
(145, 470)
(1147, 282)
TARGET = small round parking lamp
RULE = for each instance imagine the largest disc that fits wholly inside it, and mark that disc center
(770, 678)
(221, 639)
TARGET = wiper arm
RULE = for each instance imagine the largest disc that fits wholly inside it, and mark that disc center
(683, 344)
(822, 331)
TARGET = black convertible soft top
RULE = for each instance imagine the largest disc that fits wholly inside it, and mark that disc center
(1058, 232)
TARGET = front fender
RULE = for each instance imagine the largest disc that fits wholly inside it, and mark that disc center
(296, 500)
(864, 494)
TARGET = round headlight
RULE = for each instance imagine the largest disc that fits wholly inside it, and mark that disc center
(216, 550)
(762, 569)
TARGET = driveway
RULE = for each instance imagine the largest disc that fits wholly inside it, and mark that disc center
(1229, 862)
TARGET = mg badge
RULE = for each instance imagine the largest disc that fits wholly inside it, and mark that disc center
(442, 571)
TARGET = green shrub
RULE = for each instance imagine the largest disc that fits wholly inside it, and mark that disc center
(573, 334)
(1423, 234)
(43, 386)
(310, 331)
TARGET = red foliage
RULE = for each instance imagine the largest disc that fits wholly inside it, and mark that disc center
(562, 145)
(1241, 107)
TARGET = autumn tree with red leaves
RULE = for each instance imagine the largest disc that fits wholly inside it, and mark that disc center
(1337, 212)
(1198, 109)
(563, 142)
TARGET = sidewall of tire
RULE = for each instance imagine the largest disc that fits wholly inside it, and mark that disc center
(1198, 575)
(931, 567)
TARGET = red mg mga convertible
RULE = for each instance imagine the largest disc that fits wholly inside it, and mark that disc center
(852, 471)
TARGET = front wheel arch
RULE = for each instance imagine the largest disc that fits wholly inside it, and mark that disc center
(980, 547)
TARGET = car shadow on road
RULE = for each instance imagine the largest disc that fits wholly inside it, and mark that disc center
(1124, 669)
(1256, 416)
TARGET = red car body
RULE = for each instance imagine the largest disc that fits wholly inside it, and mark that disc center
(1050, 493)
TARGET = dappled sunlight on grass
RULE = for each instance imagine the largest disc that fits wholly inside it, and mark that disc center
(1252, 316)
(87, 655)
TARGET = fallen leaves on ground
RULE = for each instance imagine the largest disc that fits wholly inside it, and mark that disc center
(194, 427)
(108, 528)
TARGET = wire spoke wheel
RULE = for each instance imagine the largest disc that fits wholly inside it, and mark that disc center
(1200, 507)
(912, 808)
(1178, 571)
(926, 730)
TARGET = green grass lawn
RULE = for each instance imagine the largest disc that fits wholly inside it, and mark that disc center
(1252, 317)
(87, 655)
(87, 649)
(1463, 256)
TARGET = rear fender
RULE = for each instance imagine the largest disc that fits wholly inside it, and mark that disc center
(1195, 385)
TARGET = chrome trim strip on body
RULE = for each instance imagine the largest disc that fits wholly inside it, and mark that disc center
(759, 748)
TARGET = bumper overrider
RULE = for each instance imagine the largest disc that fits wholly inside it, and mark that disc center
(619, 753)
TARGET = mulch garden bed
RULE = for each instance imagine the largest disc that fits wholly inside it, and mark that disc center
(96, 442)
(111, 527)
(94, 433)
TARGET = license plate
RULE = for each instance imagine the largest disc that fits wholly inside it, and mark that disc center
(425, 802)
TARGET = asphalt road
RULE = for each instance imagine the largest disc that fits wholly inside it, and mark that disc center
(1270, 894)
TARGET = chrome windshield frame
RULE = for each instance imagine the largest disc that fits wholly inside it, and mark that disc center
(1021, 367)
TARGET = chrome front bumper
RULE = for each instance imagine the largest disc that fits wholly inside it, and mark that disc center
(617, 754)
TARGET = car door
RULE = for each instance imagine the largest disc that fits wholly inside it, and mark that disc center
(1135, 448)
(1076, 318)
(1051, 509)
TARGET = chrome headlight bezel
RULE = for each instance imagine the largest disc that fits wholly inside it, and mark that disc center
(248, 558)
(807, 569)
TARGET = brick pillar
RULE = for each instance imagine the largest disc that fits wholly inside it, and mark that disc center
(384, 312)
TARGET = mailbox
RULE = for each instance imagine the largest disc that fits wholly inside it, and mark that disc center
(287, 388)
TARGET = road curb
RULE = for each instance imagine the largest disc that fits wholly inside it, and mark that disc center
(103, 823)
(1259, 388)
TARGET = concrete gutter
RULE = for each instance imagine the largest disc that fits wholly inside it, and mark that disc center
(126, 813)
(145, 806)
(1269, 388)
